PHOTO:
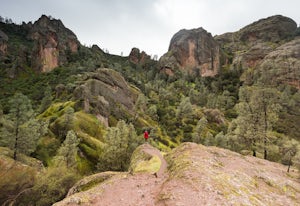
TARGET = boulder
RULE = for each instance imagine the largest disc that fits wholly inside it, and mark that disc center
(105, 93)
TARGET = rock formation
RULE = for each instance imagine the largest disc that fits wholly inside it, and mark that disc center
(248, 46)
(195, 175)
(193, 50)
(52, 42)
(196, 51)
(44, 45)
(138, 57)
(104, 93)
(285, 61)
(3, 43)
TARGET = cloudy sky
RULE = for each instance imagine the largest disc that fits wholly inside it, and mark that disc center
(119, 25)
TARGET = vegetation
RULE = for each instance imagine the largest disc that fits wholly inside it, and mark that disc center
(240, 109)
(120, 144)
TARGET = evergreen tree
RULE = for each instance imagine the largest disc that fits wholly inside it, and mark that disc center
(47, 100)
(258, 111)
(140, 105)
(185, 108)
(20, 130)
(209, 139)
(221, 140)
(120, 141)
(290, 149)
(198, 135)
(67, 152)
(152, 112)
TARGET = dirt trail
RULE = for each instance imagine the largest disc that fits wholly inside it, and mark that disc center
(139, 189)
(154, 152)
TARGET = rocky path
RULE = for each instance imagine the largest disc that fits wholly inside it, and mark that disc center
(195, 175)
(154, 152)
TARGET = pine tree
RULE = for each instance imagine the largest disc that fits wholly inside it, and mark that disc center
(290, 149)
(198, 134)
(258, 111)
(20, 130)
(185, 108)
(140, 105)
(66, 154)
(47, 100)
(19, 113)
(120, 141)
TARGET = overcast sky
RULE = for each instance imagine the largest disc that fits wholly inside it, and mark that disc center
(119, 25)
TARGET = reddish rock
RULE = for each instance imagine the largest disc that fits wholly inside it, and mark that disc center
(138, 57)
(190, 174)
(194, 51)
(52, 42)
(3, 43)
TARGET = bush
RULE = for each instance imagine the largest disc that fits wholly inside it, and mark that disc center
(51, 186)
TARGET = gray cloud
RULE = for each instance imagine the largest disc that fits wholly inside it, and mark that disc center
(119, 25)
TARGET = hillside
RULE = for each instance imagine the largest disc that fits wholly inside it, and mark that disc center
(77, 111)
(195, 175)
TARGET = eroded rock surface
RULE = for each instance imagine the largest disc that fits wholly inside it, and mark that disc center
(193, 175)
(193, 50)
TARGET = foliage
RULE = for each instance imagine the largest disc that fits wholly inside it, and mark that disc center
(66, 154)
(21, 130)
(258, 111)
(120, 143)
(50, 186)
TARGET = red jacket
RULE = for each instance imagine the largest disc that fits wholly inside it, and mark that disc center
(146, 135)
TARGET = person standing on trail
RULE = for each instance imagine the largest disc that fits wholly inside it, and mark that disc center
(146, 135)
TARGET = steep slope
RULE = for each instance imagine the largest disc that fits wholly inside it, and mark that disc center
(248, 46)
(16, 176)
(193, 50)
(105, 93)
(196, 51)
(196, 175)
(53, 42)
(43, 45)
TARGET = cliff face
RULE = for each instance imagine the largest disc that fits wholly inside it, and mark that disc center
(251, 44)
(52, 42)
(43, 45)
(193, 50)
(105, 93)
(138, 57)
(191, 174)
(198, 52)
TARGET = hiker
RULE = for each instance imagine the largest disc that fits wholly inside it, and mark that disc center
(146, 135)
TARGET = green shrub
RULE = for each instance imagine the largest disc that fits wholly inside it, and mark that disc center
(51, 186)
